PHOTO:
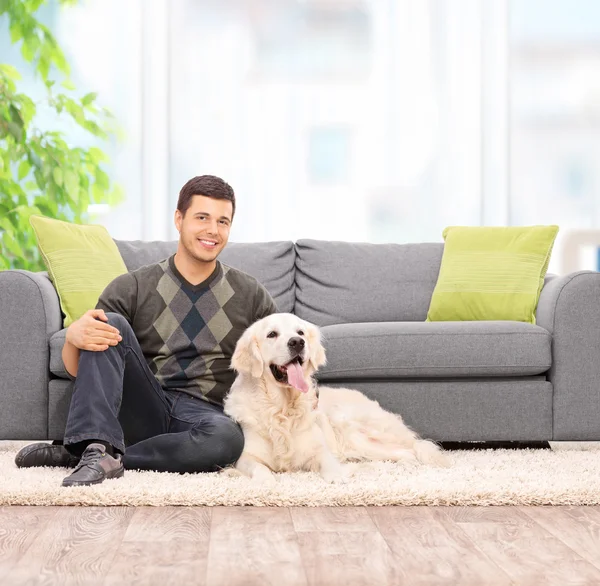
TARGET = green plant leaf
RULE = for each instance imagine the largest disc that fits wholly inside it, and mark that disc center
(71, 182)
(15, 126)
(58, 176)
(27, 110)
(16, 34)
(6, 224)
(97, 155)
(30, 48)
(9, 71)
(24, 168)
(102, 179)
(47, 207)
(117, 195)
(41, 171)
(44, 66)
(11, 244)
(33, 5)
(89, 98)
(94, 128)
(15, 131)
(22, 213)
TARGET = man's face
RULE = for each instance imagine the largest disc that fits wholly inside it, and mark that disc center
(204, 230)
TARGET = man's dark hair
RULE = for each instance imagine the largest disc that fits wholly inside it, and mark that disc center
(207, 185)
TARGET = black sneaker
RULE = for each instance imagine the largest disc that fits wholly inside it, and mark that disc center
(43, 454)
(95, 466)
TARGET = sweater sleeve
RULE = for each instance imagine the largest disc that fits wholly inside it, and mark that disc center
(263, 303)
(120, 296)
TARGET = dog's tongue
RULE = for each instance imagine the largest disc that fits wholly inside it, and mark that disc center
(296, 377)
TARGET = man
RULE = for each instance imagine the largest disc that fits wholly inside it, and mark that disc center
(152, 362)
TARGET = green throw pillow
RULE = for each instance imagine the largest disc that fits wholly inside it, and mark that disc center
(491, 273)
(81, 262)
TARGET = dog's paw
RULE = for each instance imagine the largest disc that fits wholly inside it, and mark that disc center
(230, 472)
(264, 478)
(335, 479)
(336, 475)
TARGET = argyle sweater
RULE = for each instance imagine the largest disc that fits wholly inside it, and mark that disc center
(188, 332)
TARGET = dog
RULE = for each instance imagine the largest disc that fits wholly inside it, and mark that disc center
(290, 424)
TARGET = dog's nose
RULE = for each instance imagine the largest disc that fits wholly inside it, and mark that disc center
(296, 344)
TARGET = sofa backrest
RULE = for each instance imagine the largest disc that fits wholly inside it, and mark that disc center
(271, 263)
(327, 282)
(346, 282)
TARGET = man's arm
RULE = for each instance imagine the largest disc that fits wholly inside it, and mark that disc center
(88, 333)
(263, 303)
(70, 358)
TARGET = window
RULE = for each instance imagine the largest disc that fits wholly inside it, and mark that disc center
(555, 112)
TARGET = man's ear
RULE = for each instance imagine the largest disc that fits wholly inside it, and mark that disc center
(246, 357)
(317, 352)
(178, 220)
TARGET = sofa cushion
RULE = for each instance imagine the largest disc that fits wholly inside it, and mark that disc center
(271, 263)
(81, 261)
(491, 273)
(348, 282)
(416, 350)
(434, 349)
(57, 366)
(137, 253)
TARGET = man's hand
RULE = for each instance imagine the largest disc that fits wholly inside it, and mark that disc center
(88, 333)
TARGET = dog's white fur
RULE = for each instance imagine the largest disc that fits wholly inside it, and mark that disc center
(289, 430)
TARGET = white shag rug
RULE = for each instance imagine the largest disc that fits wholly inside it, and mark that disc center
(566, 475)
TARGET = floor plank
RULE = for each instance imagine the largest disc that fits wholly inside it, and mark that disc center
(521, 547)
(434, 551)
(163, 546)
(19, 528)
(342, 546)
(164, 563)
(304, 546)
(578, 527)
(253, 546)
(169, 523)
(332, 519)
(76, 547)
(344, 558)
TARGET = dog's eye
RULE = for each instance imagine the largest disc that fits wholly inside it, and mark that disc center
(272, 334)
(300, 333)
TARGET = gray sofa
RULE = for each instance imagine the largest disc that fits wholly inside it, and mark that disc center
(451, 381)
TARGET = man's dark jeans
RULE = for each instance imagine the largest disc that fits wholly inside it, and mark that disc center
(118, 400)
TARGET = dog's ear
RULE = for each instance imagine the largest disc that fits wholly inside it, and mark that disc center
(246, 357)
(317, 352)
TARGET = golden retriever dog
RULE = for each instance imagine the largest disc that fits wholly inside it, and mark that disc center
(289, 424)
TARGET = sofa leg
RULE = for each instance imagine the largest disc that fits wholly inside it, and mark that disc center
(496, 445)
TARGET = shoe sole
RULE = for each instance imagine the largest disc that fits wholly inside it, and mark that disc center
(118, 473)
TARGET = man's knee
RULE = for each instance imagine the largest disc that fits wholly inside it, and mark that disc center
(116, 320)
(232, 438)
(225, 444)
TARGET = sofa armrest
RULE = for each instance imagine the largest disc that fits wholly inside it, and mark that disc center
(29, 314)
(569, 308)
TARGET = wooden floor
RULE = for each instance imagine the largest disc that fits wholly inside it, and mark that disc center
(281, 546)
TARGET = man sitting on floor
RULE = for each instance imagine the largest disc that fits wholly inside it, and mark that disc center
(151, 363)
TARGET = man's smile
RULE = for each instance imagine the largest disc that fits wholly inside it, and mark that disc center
(207, 243)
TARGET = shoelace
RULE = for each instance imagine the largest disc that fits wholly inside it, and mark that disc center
(88, 458)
